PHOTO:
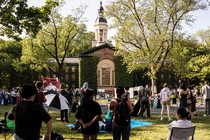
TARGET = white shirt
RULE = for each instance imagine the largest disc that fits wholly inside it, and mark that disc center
(179, 123)
(13, 94)
(165, 93)
(206, 91)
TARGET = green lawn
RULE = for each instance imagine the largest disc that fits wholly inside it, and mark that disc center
(157, 131)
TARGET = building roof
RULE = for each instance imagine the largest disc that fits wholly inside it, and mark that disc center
(105, 45)
(101, 17)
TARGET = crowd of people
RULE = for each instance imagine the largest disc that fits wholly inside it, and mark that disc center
(88, 111)
(184, 97)
(9, 96)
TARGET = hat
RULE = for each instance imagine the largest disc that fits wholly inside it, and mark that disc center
(108, 115)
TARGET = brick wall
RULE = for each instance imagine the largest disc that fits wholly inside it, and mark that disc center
(104, 53)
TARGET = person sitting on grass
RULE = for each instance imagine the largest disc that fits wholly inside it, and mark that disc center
(182, 121)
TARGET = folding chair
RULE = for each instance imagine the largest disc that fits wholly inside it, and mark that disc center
(5, 128)
(182, 133)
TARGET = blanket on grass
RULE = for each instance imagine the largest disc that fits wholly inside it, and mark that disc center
(134, 124)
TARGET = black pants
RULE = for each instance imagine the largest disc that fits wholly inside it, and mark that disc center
(14, 100)
(144, 105)
(207, 106)
(64, 113)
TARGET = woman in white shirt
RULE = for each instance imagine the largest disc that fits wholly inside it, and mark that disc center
(182, 121)
(165, 100)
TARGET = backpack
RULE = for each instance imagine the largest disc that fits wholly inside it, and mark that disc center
(122, 113)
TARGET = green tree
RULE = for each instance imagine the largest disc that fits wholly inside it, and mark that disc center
(16, 16)
(147, 29)
(62, 37)
(200, 64)
(12, 73)
(183, 51)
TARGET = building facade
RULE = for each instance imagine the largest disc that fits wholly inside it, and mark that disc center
(102, 69)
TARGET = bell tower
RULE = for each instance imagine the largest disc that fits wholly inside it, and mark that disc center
(101, 28)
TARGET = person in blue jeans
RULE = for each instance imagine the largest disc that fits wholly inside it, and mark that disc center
(120, 130)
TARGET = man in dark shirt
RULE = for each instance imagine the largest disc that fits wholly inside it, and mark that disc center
(144, 94)
(29, 116)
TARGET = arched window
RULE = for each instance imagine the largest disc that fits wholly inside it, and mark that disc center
(105, 73)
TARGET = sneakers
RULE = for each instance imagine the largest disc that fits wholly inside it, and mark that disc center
(169, 119)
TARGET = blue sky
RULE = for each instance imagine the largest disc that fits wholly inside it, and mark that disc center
(91, 13)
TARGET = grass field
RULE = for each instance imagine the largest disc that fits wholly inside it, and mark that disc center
(157, 131)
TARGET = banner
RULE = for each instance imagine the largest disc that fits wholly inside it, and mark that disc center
(50, 82)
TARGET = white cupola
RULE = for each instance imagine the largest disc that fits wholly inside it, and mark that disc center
(101, 27)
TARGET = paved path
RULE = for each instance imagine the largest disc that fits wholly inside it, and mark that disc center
(174, 109)
(199, 108)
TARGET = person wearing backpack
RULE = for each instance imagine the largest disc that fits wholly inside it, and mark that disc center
(122, 108)
(144, 94)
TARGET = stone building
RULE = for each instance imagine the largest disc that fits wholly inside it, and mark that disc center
(103, 54)
(102, 70)
(97, 66)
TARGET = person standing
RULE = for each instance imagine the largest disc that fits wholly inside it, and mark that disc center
(193, 105)
(40, 97)
(206, 96)
(144, 94)
(183, 96)
(64, 112)
(190, 101)
(84, 88)
(127, 93)
(165, 94)
(18, 98)
(70, 95)
(182, 121)
(83, 91)
(14, 99)
(88, 115)
(29, 116)
(117, 129)
(6, 97)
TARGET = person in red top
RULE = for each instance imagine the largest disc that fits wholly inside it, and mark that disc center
(40, 98)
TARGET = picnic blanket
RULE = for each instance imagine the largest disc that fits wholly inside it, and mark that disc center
(134, 124)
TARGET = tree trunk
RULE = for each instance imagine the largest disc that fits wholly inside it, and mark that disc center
(60, 74)
(153, 87)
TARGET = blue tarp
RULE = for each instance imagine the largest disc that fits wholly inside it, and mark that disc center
(134, 124)
(139, 123)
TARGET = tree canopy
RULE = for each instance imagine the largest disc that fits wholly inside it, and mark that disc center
(147, 30)
(62, 37)
(16, 16)
(200, 64)
(12, 74)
